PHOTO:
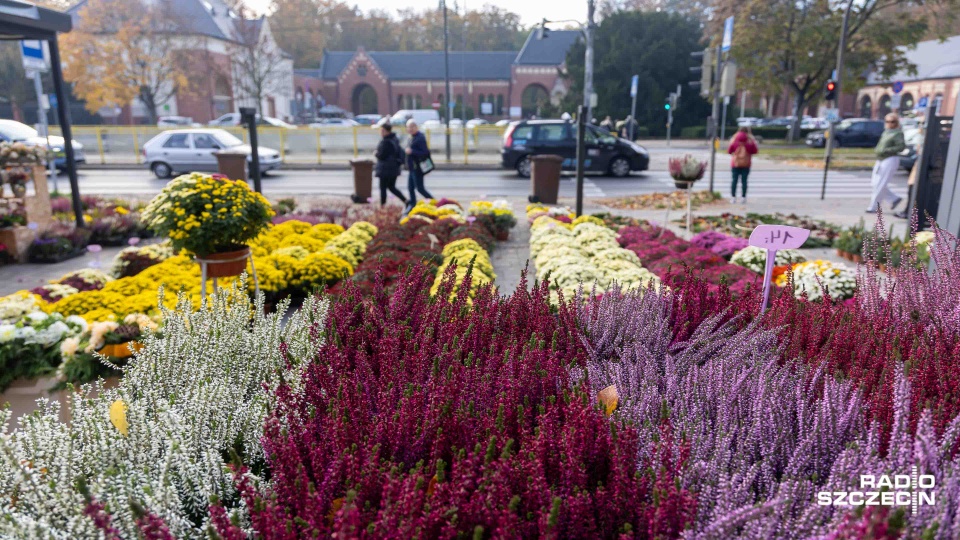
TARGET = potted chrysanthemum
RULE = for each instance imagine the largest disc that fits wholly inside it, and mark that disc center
(686, 170)
(211, 216)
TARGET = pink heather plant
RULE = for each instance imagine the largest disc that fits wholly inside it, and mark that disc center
(423, 418)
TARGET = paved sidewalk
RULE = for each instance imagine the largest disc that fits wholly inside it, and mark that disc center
(15, 277)
(510, 258)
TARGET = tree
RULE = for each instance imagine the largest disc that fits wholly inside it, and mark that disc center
(258, 64)
(793, 43)
(655, 46)
(126, 49)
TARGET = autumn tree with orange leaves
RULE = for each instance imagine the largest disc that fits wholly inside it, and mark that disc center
(126, 49)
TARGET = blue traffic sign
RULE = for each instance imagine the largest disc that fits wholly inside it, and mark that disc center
(897, 87)
(727, 34)
(634, 83)
(922, 103)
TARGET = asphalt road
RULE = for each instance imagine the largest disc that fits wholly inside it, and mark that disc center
(763, 183)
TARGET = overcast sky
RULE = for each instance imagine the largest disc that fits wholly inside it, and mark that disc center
(530, 11)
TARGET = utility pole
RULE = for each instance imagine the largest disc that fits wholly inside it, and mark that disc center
(714, 141)
(588, 62)
(723, 119)
(828, 140)
(581, 154)
(446, 77)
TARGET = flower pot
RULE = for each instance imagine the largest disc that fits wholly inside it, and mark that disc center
(503, 236)
(19, 190)
(226, 264)
(683, 184)
(120, 350)
(857, 258)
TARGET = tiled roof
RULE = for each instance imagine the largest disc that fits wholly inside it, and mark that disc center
(552, 50)
(934, 60)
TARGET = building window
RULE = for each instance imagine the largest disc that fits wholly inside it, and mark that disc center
(498, 110)
(906, 103)
(399, 101)
(883, 106)
(937, 103)
(866, 107)
(362, 70)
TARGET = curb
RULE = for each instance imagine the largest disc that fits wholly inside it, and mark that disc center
(305, 167)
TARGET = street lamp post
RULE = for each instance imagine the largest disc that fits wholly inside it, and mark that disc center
(588, 61)
(828, 140)
(446, 78)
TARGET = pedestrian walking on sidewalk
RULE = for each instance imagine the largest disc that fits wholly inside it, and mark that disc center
(607, 123)
(419, 163)
(390, 160)
(742, 148)
(888, 160)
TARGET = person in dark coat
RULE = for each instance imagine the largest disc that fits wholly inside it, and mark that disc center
(390, 160)
(417, 151)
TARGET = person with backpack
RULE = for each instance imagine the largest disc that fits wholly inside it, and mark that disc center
(742, 147)
(390, 160)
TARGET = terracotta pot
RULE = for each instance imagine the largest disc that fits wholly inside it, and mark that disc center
(503, 236)
(857, 259)
(121, 350)
(226, 264)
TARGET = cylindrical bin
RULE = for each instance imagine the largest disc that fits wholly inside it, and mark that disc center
(233, 165)
(362, 180)
(545, 178)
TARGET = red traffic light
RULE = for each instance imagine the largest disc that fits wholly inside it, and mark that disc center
(831, 86)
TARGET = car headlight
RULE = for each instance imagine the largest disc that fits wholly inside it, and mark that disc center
(637, 148)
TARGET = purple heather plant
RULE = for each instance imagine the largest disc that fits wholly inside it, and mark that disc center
(766, 433)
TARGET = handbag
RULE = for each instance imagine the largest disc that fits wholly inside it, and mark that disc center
(426, 166)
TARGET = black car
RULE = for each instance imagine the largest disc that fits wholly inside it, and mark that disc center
(605, 153)
(852, 132)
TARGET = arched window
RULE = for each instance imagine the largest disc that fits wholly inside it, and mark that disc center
(883, 106)
(906, 103)
(937, 103)
(866, 107)
(399, 101)
(533, 99)
(498, 110)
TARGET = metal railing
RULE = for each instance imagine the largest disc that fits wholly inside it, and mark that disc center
(119, 145)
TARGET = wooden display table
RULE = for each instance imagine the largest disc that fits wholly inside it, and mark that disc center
(36, 205)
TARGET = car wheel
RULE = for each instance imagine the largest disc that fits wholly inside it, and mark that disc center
(523, 167)
(161, 170)
(620, 167)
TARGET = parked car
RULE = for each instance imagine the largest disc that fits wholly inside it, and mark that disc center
(175, 121)
(431, 124)
(605, 153)
(474, 122)
(814, 123)
(419, 115)
(328, 122)
(853, 132)
(189, 150)
(368, 119)
(748, 121)
(233, 119)
(13, 131)
(502, 123)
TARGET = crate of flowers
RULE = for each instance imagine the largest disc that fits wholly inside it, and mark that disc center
(59, 243)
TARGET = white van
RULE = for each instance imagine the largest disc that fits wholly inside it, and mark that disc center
(419, 115)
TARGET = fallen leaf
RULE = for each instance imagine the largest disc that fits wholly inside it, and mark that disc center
(609, 398)
(118, 416)
(334, 508)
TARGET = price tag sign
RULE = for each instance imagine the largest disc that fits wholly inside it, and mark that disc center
(773, 238)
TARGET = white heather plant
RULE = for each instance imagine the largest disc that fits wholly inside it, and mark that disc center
(193, 397)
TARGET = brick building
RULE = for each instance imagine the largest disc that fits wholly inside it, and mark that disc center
(492, 85)
(210, 33)
(937, 79)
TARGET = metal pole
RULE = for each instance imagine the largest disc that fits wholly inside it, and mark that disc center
(723, 121)
(581, 154)
(669, 124)
(63, 111)
(42, 120)
(446, 76)
(254, 153)
(633, 118)
(713, 119)
(588, 60)
(743, 101)
(828, 140)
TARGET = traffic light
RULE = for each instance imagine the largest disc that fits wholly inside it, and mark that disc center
(666, 106)
(831, 92)
(671, 102)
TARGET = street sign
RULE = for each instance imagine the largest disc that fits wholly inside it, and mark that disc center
(594, 99)
(634, 82)
(922, 103)
(34, 55)
(773, 238)
(895, 102)
(516, 112)
(727, 34)
(436, 104)
(486, 108)
(832, 115)
(897, 87)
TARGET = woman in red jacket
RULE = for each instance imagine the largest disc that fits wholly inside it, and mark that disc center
(742, 147)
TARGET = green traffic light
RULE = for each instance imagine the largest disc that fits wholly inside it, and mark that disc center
(666, 106)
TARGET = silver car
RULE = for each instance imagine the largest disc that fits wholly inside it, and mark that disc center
(192, 150)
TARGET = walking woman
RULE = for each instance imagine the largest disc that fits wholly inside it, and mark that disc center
(887, 150)
(390, 160)
(742, 147)
(417, 153)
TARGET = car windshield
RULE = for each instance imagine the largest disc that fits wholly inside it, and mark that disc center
(845, 124)
(226, 139)
(17, 131)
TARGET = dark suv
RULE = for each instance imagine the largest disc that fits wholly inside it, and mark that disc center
(605, 153)
(850, 132)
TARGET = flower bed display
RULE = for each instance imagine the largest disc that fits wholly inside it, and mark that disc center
(463, 257)
(59, 243)
(755, 259)
(112, 222)
(584, 253)
(722, 244)
(405, 412)
(674, 200)
(811, 278)
(822, 233)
